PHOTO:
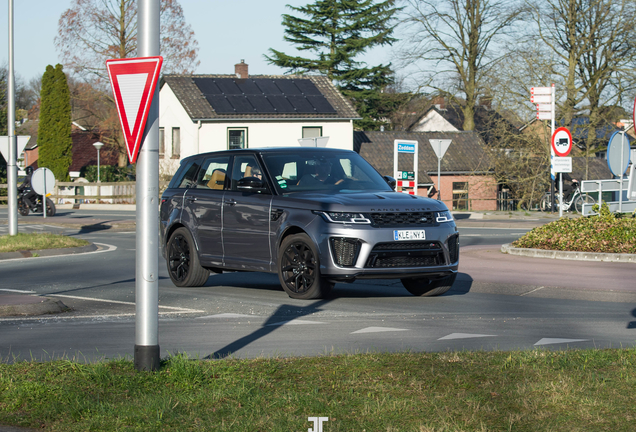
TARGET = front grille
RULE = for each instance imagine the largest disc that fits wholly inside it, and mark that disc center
(453, 248)
(398, 254)
(402, 219)
(345, 250)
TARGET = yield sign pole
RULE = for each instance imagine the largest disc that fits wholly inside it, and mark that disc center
(147, 282)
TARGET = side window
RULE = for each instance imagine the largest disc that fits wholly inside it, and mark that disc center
(245, 166)
(188, 179)
(213, 173)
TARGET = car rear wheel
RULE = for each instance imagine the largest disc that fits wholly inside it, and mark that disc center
(429, 287)
(299, 269)
(183, 261)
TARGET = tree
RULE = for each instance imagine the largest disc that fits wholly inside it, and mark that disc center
(93, 31)
(54, 131)
(458, 41)
(593, 43)
(336, 32)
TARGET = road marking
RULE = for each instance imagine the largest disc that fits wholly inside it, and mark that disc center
(530, 292)
(17, 291)
(110, 248)
(378, 330)
(464, 336)
(227, 315)
(123, 302)
(294, 322)
(549, 341)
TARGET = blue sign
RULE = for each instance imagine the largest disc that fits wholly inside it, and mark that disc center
(406, 148)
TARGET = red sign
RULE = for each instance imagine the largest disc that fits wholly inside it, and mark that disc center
(133, 81)
(562, 142)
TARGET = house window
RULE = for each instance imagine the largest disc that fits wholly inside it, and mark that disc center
(312, 131)
(176, 143)
(162, 142)
(460, 195)
(236, 138)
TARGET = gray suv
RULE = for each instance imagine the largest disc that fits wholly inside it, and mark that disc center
(315, 216)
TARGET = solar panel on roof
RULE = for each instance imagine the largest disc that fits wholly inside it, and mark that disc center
(248, 87)
(241, 104)
(227, 86)
(307, 87)
(301, 104)
(321, 104)
(206, 86)
(267, 86)
(281, 104)
(288, 87)
(220, 104)
(261, 103)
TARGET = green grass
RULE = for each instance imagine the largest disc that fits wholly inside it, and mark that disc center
(605, 232)
(23, 241)
(539, 390)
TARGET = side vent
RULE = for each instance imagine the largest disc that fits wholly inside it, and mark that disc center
(275, 214)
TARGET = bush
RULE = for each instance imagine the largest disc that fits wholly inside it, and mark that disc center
(606, 232)
(109, 173)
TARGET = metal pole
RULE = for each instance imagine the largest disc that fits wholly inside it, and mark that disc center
(439, 169)
(620, 193)
(99, 180)
(12, 169)
(147, 285)
(44, 196)
(552, 178)
(560, 195)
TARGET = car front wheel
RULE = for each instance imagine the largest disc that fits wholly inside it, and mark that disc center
(429, 287)
(299, 269)
(183, 261)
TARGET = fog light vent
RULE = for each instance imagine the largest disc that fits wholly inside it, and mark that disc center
(345, 250)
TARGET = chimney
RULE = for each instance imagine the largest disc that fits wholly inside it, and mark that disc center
(439, 103)
(240, 69)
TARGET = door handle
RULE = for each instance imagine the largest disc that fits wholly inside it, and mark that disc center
(191, 199)
(230, 202)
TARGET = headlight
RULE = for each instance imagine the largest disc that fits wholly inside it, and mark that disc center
(337, 217)
(444, 216)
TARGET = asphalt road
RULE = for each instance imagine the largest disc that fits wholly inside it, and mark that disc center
(498, 302)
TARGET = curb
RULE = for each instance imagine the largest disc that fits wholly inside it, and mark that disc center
(48, 252)
(565, 255)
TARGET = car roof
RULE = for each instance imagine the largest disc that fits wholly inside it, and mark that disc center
(272, 150)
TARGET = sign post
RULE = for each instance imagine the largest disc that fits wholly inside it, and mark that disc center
(561, 147)
(405, 146)
(439, 147)
(12, 169)
(134, 84)
(545, 98)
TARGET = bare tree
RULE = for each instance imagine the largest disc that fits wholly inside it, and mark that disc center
(93, 31)
(592, 42)
(457, 40)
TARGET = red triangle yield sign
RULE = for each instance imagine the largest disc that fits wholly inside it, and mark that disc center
(133, 81)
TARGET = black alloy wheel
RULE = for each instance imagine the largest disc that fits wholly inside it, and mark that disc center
(183, 261)
(299, 269)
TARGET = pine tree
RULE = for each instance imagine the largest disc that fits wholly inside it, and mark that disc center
(337, 31)
(54, 130)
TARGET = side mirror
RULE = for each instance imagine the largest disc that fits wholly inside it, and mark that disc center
(251, 184)
(390, 181)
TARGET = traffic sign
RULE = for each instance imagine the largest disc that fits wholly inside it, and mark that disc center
(562, 164)
(440, 146)
(406, 147)
(134, 81)
(618, 153)
(562, 142)
(544, 115)
(537, 99)
(544, 107)
(541, 91)
(22, 141)
(43, 181)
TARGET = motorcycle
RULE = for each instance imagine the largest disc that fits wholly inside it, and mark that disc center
(36, 204)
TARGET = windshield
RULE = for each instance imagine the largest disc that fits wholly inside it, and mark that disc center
(323, 172)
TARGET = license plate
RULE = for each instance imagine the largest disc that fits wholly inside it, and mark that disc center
(400, 235)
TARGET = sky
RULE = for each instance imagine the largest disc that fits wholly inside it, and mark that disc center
(227, 31)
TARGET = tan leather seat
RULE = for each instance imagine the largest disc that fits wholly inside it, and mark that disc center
(217, 180)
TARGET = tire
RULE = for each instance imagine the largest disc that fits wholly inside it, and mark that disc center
(583, 199)
(545, 203)
(299, 269)
(183, 260)
(423, 287)
(22, 208)
(50, 208)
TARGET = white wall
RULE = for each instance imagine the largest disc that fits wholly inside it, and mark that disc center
(433, 122)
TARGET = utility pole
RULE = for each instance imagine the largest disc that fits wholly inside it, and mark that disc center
(12, 168)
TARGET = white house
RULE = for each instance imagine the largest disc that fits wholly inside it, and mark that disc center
(202, 113)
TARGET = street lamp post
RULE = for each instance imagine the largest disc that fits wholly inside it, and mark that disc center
(98, 145)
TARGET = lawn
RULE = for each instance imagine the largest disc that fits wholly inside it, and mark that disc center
(37, 241)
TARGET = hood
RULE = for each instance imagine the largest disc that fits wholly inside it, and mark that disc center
(365, 202)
